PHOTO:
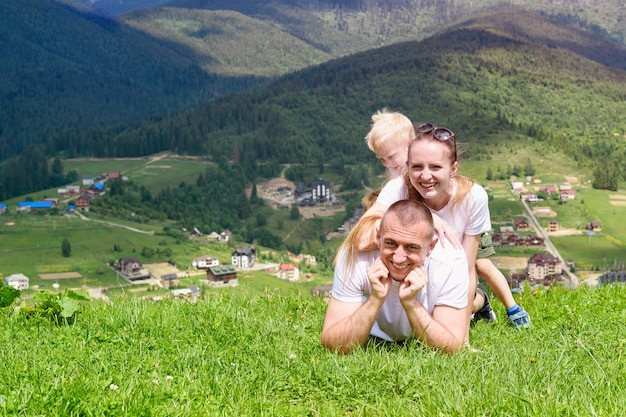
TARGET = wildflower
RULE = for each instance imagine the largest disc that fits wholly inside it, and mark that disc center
(113, 387)
(532, 359)
(292, 356)
(155, 381)
(169, 378)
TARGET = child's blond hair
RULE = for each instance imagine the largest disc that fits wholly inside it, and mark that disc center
(388, 126)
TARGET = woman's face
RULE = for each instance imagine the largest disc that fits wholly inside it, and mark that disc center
(430, 170)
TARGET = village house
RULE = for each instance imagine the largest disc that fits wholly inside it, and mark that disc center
(130, 265)
(225, 236)
(517, 187)
(322, 291)
(320, 190)
(17, 281)
(98, 188)
(594, 225)
(213, 237)
(532, 198)
(189, 294)
(243, 257)
(566, 186)
(87, 180)
(289, 272)
(82, 203)
(553, 226)
(612, 277)
(34, 206)
(204, 262)
(543, 265)
(548, 190)
(522, 225)
(169, 280)
(567, 195)
(516, 281)
(68, 191)
(222, 275)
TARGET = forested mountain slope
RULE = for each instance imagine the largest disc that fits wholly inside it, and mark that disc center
(489, 78)
(62, 68)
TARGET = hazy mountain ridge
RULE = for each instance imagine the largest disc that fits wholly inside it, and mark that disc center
(276, 51)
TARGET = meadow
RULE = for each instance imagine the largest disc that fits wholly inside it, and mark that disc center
(251, 353)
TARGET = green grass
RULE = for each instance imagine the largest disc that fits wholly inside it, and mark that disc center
(241, 353)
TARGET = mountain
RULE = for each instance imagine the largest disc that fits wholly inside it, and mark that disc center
(115, 7)
(337, 28)
(493, 77)
(65, 68)
(228, 42)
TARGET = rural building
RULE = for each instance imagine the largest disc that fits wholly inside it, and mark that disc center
(553, 226)
(204, 262)
(88, 179)
(320, 190)
(169, 280)
(532, 198)
(543, 265)
(17, 281)
(243, 257)
(567, 195)
(222, 275)
(522, 225)
(290, 272)
(82, 203)
(517, 187)
(225, 236)
(214, 236)
(594, 225)
(322, 291)
(34, 206)
(612, 277)
(132, 269)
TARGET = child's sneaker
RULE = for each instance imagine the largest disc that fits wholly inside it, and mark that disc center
(486, 312)
(520, 319)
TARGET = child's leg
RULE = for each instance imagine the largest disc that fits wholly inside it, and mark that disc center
(496, 281)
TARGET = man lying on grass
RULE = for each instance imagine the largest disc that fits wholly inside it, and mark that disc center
(412, 286)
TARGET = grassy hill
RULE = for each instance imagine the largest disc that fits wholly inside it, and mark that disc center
(244, 354)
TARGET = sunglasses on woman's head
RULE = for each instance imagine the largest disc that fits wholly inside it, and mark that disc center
(440, 133)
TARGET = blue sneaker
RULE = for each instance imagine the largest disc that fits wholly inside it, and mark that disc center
(520, 319)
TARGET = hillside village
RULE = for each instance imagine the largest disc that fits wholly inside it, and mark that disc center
(541, 268)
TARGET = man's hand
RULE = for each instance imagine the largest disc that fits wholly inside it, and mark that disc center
(380, 281)
(414, 281)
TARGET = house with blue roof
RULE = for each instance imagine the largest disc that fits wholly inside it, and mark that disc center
(34, 206)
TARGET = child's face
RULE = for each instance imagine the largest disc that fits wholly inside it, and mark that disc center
(393, 156)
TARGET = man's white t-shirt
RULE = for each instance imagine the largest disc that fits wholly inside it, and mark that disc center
(470, 216)
(447, 285)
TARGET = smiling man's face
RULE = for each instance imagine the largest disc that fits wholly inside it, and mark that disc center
(403, 248)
